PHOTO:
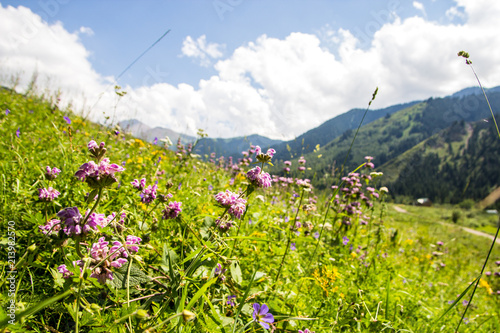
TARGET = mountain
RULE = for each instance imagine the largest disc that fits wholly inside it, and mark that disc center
(146, 133)
(457, 163)
(233, 146)
(391, 136)
(332, 129)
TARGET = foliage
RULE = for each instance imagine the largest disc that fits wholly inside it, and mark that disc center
(327, 261)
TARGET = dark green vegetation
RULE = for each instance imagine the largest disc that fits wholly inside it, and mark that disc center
(395, 273)
(441, 149)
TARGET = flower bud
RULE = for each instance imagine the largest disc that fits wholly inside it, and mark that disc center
(188, 316)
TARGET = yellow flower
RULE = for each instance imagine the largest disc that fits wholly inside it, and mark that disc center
(354, 254)
(484, 283)
(140, 160)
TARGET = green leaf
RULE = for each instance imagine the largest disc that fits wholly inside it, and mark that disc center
(136, 276)
(236, 272)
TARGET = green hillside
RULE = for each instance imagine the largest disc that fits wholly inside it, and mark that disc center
(154, 240)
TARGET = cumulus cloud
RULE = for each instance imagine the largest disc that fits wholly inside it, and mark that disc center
(201, 50)
(279, 88)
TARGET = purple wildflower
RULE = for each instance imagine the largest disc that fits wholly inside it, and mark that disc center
(259, 178)
(230, 300)
(140, 185)
(7, 111)
(172, 210)
(293, 247)
(261, 315)
(316, 235)
(155, 141)
(18, 132)
(64, 271)
(149, 194)
(236, 205)
(47, 194)
(51, 173)
(98, 175)
(51, 227)
(67, 120)
(219, 272)
(287, 163)
(306, 331)
(71, 218)
(345, 240)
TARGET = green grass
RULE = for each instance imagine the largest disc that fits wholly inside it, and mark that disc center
(395, 278)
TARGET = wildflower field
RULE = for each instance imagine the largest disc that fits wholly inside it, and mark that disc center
(103, 232)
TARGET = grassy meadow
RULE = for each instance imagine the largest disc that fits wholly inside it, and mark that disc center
(154, 240)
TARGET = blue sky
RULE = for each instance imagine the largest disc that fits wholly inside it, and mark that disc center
(238, 67)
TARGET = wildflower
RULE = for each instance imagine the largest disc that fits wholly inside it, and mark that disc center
(172, 210)
(288, 163)
(97, 151)
(264, 158)
(18, 132)
(439, 243)
(155, 141)
(293, 247)
(219, 272)
(259, 178)
(51, 173)
(47, 194)
(98, 175)
(51, 227)
(262, 316)
(230, 300)
(71, 218)
(67, 120)
(64, 271)
(149, 194)
(302, 168)
(306, 331)
(302, 160)
(236, 205)
(7, 111)
(316, 235)
(140, 185)
(345, 240)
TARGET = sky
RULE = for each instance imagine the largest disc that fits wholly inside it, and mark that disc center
(277, 68)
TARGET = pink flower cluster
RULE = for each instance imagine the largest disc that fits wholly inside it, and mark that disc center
(51, 173)
(47, 194)
(98, 175)
(172, 210)
(236, 205)
(71, 222)
(105, 258)
(259, 178)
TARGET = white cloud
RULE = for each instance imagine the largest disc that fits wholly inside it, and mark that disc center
(86, 31)
(279, 88)
(419, 6)
(201, 50)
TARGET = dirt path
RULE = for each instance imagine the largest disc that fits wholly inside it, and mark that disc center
(471, 231)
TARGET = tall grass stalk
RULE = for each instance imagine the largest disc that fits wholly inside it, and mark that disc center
(468, 62)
